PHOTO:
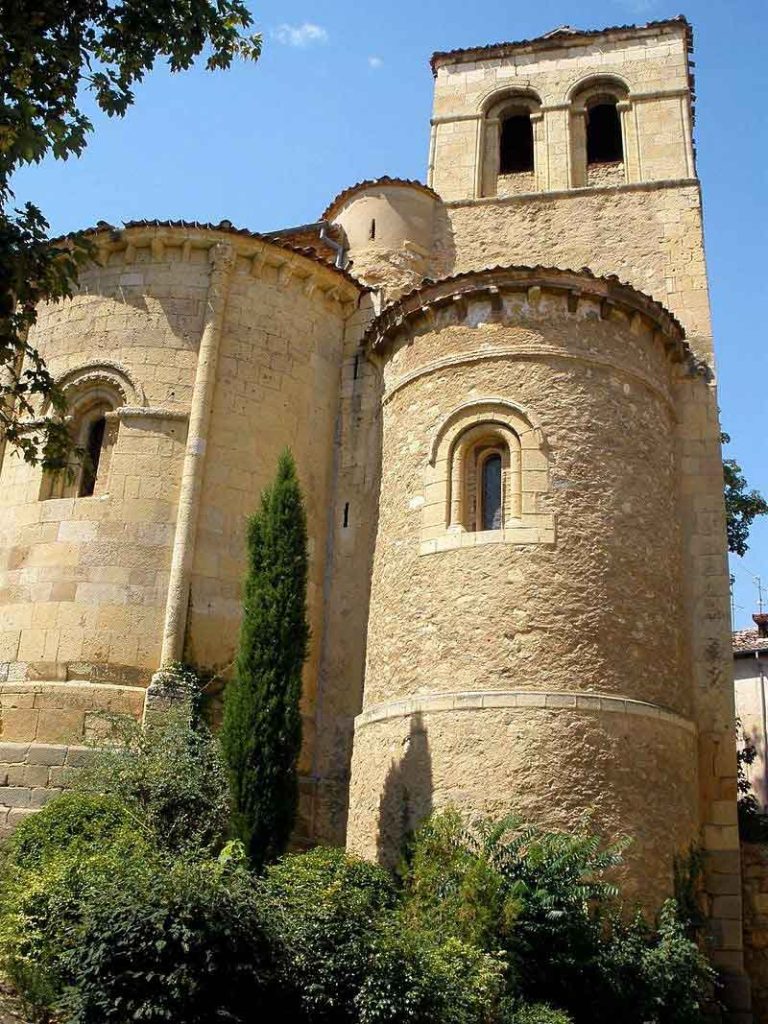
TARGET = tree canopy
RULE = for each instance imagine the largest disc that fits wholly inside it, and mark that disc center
(52, 54)
(742, 506)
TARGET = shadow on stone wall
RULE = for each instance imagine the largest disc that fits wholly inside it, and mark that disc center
(407, 795)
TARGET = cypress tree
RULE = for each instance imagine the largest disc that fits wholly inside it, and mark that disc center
(261, 729)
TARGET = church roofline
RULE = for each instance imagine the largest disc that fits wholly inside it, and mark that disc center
(557, 39)
(385, 182)
(223, 227)
(609, 290)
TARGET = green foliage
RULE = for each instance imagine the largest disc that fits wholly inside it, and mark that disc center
(170, 779)
(413, 979)
(261, 729)
(557, 920)
(104, 918)
(742, 506)
(44, 893)
(753, 824)
(537, 1013)
(74, 820)
(51, 54)
(324, 909)
(177, 942)
(450, 890)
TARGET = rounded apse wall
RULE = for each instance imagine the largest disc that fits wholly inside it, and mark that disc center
(85, 576)
(389, 226)
(539, 665)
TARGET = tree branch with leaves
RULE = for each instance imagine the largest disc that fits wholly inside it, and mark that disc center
(52, 53)
(742, 506)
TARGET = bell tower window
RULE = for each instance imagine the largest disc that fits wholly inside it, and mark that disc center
(516, 144)
(604, 143)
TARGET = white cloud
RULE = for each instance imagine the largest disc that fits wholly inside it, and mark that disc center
(300, 35)
(375, 62)
(638, 7)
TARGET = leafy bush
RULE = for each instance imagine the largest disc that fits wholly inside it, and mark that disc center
(537, 1013)
(452, 892)
(323, 910)
(73, 819)
(177, 942)
(544, 900)
(412, 979)
(43, 907)
(169, 777)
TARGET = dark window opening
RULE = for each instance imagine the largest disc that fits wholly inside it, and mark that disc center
(516, 146)
(93, 445)
(492, 493)
(346, 514)
(372, 232)
(356, 368)
(604, 134)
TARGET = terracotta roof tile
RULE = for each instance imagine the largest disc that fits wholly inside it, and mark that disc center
(746, 641)
(372, 182)
(228, 228)
(612, 287)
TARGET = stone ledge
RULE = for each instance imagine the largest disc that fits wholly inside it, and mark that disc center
(45, 754)
(484, 700)
(522, 535)
(578, 190)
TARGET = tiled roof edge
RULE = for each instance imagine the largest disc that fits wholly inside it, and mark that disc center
(549, 40)
(372, 183)
(225, 227)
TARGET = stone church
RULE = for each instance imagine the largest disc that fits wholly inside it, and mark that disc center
(499, 389)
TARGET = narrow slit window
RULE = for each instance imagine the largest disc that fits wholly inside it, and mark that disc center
(604, 144)
(516, 144)
(491, 493)
(93, 446)
(372, 231)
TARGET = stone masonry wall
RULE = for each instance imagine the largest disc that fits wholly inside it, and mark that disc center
(754, 866)
(499, 627)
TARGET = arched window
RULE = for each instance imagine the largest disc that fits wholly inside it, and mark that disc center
(485, 479)
(485, 486)
(516, 144)
(604, 145)
(597, 133)
(94, 441)
(93, 434)
(508, 148)
(490, 493)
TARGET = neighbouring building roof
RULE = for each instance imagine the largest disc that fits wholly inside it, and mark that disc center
(748, 641)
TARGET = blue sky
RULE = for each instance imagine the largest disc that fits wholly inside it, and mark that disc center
(343, 92)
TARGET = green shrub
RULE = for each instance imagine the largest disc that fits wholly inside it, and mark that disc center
(73, 819)
(651, 975)
(412, 979)
(543, 899)
(169, 777)
(537, 1013)
(178, 942)
(43, 907)
(324, 910)
(452, 892)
